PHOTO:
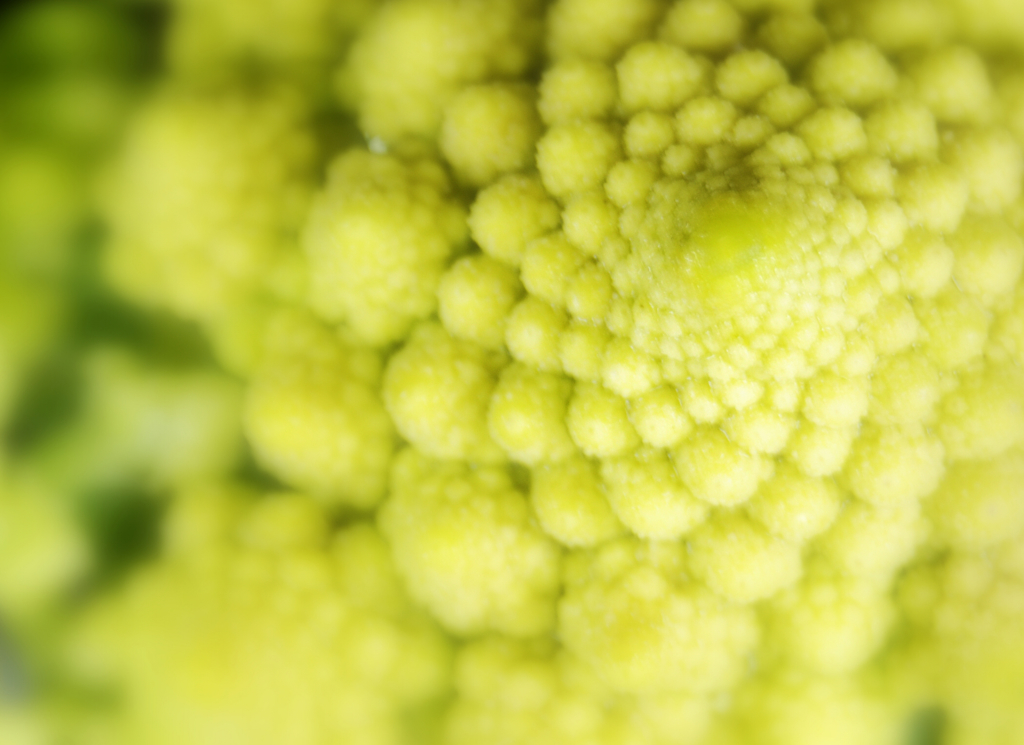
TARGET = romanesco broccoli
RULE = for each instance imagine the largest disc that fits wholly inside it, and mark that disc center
(657, 361)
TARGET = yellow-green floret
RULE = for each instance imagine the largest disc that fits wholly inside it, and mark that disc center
(207, 36)
(377, 240)
(635, 614)
(206, 203)
(262, 624)
(414, 56)
(964, 610)
(313, 415)
(466, 544)
(520, 692)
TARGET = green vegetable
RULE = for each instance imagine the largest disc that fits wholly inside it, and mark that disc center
(650, 372)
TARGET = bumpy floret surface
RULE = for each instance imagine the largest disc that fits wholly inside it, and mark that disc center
(680, 343)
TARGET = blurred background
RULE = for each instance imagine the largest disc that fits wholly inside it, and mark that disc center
(90, 387)
(114, 396)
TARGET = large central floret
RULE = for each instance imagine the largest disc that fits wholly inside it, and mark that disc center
(709, 263)
(728, 311)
